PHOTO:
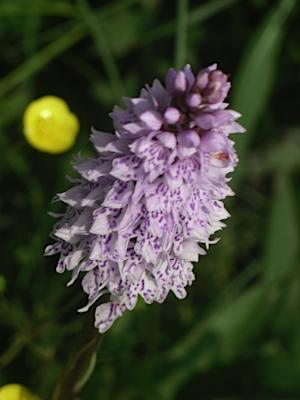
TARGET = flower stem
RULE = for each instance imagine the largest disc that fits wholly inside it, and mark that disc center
(103, 47)
(81, 365)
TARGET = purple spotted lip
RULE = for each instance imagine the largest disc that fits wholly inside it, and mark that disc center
(142, 210)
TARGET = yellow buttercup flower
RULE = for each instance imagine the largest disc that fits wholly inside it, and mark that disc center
(49, 125)
(14, 391)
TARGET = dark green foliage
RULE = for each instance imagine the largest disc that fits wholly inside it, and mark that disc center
(237, 335)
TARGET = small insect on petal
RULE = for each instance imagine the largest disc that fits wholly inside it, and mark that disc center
(219, 159)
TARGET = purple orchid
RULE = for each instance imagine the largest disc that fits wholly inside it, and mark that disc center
(144, 208)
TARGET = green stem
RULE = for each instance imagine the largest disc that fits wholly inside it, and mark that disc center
(195, 16)
(181, 33)
(103, 47)
(81, 364)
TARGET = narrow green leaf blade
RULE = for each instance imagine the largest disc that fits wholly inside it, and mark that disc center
(282, 240)
(257, 72)
(217, 340)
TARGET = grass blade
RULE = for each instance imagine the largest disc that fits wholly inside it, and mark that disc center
(218, 339)
(256, 75)
(53, 50)
(282, 239)
(196, 15)
(102, 47)
(181, 33)
(58, 9)
(41, 58)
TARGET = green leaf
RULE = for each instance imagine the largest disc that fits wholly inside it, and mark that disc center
(102, 46)
(122, 40)
(11, 108)
(255, 78)
(2, 284)
(280, 369)
(13, 9)
(282, 239)
(54, 49)
(87, 373)
(219, 339)
(195, 16)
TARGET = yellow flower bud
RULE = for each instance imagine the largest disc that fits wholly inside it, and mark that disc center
(49, 125)
(14, 391)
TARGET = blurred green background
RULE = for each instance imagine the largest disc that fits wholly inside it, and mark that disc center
(237, 335)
